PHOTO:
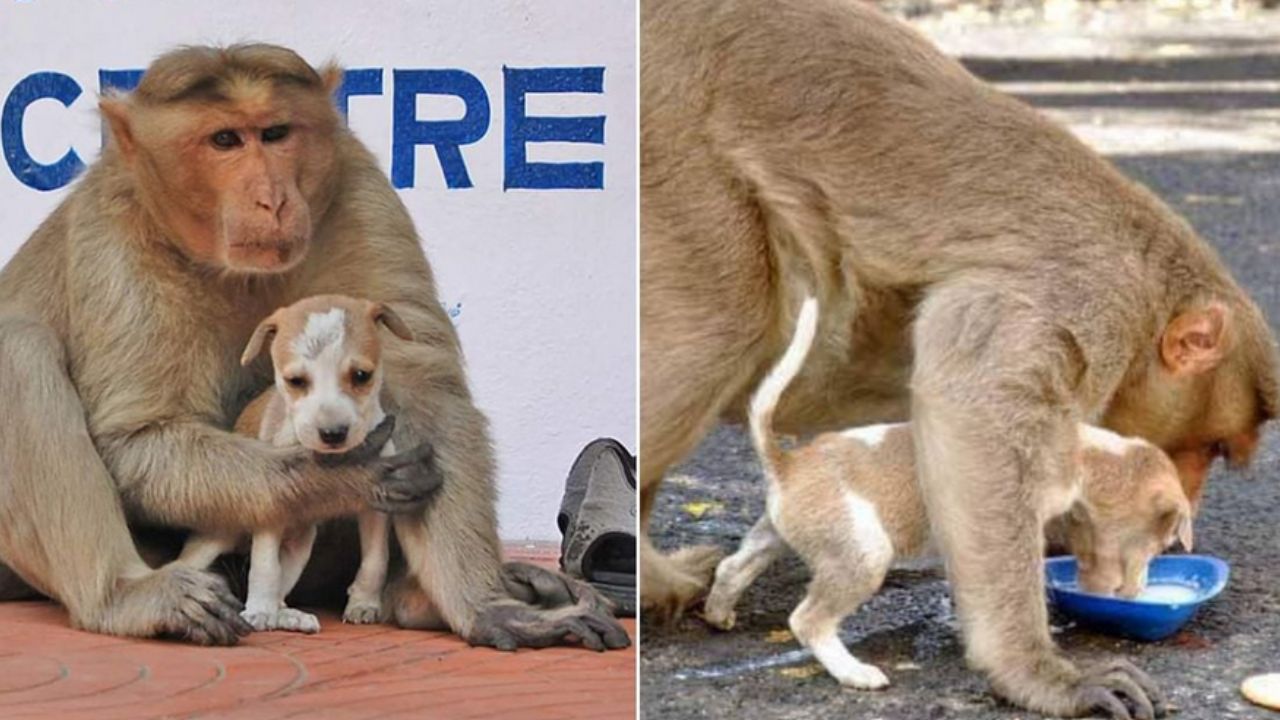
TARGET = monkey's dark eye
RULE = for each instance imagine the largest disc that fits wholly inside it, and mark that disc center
(275, 133)
(225, 139)
(297, 381)
(360, 377)
(1220, 449)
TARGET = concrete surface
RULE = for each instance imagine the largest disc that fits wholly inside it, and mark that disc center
(1184, 103)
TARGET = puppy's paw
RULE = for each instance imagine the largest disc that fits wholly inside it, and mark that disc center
(717, 615)
(362, 611)
(259, 620)
(863, 676)
(293, 620)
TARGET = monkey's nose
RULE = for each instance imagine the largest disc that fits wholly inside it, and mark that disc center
(334, 436)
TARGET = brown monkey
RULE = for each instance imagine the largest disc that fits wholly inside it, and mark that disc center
(230, 187)
(988, 276)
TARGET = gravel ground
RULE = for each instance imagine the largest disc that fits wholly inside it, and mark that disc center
(1185, 102)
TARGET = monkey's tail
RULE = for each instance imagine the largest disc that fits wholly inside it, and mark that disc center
(765, 401)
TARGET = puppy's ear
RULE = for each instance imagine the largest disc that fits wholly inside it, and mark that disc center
(262, 336)
(382, 314)
(1175, 524)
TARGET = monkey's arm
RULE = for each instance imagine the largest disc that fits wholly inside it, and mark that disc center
(190, 474)
(994, 407)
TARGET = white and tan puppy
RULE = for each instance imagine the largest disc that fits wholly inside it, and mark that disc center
(849, 505)
(328, 378)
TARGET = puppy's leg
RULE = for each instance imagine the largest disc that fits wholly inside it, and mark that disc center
(264, 580)
(364, 604)
(295, 550)
(847, 571)
(734, 575)
(202, 549)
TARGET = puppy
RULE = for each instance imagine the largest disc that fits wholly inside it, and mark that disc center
(328, 377)
(848, 504)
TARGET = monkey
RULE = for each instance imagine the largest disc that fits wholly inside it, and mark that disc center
(989, 277)
(229, 186)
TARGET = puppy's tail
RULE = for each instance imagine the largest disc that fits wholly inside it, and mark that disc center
(765, 401)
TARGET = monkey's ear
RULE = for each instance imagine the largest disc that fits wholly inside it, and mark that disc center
(388, 317)
(261, 337)
(116, 112)
(331, 75)
(1195, 341)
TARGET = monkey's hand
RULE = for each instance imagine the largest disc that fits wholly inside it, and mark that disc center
(1115, 689)
(509, 623)
(403, 482)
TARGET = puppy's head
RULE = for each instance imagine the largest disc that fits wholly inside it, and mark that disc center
(1133, 508)
(328, 366)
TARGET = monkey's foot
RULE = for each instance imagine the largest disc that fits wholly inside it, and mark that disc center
(362, 611)
(672, 583)
(174, 601)
(1119, 689)
(508, 623)
(1053, 686)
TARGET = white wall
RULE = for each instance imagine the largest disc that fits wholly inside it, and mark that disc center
(542, 281)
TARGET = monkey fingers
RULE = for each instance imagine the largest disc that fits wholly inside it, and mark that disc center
(1145, 697)
(408, 480)
(181, 602)
(536, 585)
(508, 624)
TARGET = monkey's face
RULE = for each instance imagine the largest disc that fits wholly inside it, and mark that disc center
(1200, 412)
(236, 164)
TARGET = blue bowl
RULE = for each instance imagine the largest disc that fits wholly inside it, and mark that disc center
(1140, 619)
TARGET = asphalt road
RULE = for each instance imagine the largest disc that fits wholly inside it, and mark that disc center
(1188, 108)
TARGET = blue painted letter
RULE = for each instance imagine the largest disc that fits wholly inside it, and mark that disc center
(29, 172)
(447, 135)
(364, 81)
(522, 129)
(119, 80)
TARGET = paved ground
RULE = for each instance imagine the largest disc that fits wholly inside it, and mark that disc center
(1191, 109)
(345, 672)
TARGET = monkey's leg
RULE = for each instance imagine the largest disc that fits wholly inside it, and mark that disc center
(759, 549)
(692, 366)
(62, 527)
(994, 412)
(364, 604)
(452, 546)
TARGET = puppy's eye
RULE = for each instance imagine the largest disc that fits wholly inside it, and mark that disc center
(1220, 449)
(297, 381)
(275, 133)
(360, 377)
(225, 139)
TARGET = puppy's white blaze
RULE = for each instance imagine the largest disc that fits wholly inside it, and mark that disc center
(322, 330)
(844, 667)
(869, 536)
(1092, 436)
(766, 398)
(871, 435)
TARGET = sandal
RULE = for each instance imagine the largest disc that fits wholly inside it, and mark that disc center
(598, 521)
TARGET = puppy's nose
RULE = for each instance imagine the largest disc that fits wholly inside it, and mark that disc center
(334, 436)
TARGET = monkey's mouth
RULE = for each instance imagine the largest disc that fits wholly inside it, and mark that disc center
(266, 255)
